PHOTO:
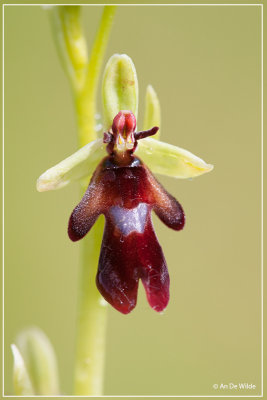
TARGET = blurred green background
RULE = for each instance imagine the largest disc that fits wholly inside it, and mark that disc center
(204, 63)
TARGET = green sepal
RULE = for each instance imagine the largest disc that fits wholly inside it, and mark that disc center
(166, 159)
(120, 87)
(79, 165)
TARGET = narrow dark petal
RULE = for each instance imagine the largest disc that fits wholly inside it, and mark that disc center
(144, 134)
(108, 137)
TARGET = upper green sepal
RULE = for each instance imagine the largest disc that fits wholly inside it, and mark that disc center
(120, 87)
(166, 159)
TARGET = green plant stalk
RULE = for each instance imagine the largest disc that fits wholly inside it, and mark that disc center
(85, 98)
(84, 78)
(92, 314)
(90, 352)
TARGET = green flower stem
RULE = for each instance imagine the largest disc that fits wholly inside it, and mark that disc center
(92, 315)
(85, 98)
(84, 78)
(91, 320)
(70, 42)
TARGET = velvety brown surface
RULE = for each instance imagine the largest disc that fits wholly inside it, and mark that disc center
(130, 250)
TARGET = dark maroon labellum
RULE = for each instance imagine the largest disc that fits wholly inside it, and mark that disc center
(125, 191)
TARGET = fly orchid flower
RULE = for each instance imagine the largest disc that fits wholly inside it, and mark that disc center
(125, 191)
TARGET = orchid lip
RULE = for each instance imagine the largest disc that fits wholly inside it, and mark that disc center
(130, 250)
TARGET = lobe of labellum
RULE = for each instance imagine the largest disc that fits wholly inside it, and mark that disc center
(167, 208)
(88, 210)
(155, 275)
(117, 277)
(154, 272)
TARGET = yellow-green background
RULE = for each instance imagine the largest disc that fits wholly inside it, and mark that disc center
(204, 63)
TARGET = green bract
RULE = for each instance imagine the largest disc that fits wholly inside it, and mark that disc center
(70, 42)
(21, 379)
(35, 364)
